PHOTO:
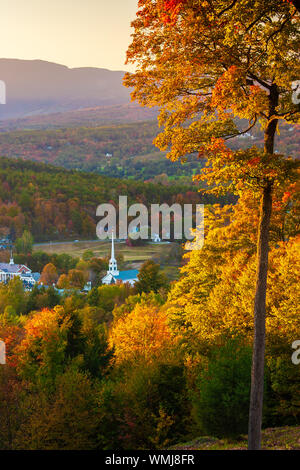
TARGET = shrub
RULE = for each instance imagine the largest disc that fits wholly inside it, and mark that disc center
(146, 408)
(284, 387)
(223, 389)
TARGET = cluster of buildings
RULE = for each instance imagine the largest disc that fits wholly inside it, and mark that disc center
(10, 270)
(4, 243)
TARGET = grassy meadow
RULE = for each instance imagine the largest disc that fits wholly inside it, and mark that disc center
(134, 256)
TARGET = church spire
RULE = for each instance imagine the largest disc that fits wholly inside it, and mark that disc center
(11, 261)
(113, 268)
(112, 245)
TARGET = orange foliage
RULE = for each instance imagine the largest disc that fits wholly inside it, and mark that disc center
(12, 336)
(142, 334)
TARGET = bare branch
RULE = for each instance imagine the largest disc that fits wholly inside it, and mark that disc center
(227, 8)
(259, 80)
(242, 132)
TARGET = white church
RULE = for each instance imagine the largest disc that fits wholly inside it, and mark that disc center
(113, 274)
(9, 270)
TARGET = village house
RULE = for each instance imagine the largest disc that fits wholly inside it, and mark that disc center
(9, 270)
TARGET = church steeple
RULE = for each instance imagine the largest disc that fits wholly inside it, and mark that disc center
(11, 261)
(112, 267)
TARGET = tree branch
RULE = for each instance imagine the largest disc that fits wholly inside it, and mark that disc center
(227, 8)
(259, 80)
(244, 131)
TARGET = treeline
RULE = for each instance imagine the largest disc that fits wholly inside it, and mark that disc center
(124, 151)
(117, 150)
(52, 203)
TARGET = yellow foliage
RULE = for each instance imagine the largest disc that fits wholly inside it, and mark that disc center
(215, 294)
(142, 334)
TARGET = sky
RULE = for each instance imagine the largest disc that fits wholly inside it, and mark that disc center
(76, 33)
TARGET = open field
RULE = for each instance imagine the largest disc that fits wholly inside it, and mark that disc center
(134, 256)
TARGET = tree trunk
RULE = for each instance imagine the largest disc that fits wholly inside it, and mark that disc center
(257, 374)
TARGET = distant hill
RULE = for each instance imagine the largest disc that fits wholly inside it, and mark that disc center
(87, 117)
(36, 87)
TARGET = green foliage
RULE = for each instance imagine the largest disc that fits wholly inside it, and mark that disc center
(96, 354)
(284, 385)
(66, 421)
(41, 297)
(87, 255)
(106, 297)
(150, 278)
(38, 259)
(12, 296)
(222, 391)
(146, 408)
(24, 244)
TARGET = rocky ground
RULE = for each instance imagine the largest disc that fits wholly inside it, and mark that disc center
(285, 438)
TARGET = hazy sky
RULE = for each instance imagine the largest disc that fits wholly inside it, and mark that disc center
(76, 33)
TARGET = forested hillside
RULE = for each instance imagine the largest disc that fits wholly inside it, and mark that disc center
(124, 151)
(55, 203)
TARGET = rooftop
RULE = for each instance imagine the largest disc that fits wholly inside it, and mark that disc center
(126, 275)
(10, 268)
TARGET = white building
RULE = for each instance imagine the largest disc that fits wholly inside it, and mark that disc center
(156, 238)
(113, 274)
(10, 270)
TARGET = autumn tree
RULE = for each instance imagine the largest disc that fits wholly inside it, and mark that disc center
(49, 275)
(67, 421)
(77, 278)
(24, 243)
(143, 334)
(205, 64)
(63, 282)
(54, 338)
(150, 278)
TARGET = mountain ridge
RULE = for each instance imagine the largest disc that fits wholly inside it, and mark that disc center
(37, 87)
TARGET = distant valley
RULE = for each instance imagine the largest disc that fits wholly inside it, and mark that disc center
(121, 150)
(83, 119)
